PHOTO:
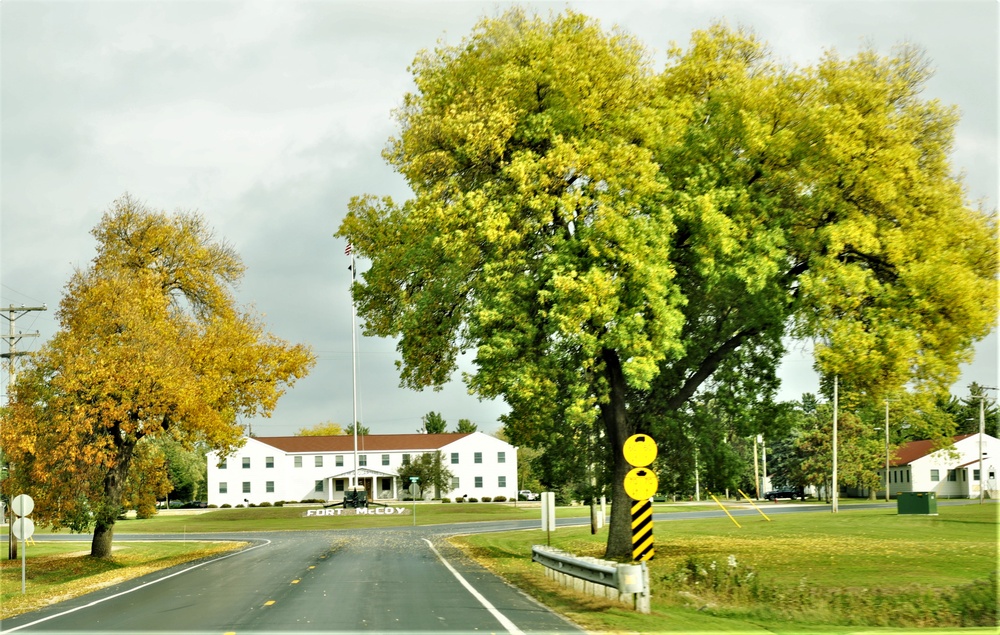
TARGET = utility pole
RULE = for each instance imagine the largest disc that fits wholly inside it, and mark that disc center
(12, 338)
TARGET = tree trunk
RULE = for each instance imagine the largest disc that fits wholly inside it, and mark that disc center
(616, 426)
(12, 541)
(100, 547)
(108, 510)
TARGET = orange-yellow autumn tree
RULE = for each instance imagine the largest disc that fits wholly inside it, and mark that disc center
(151, 343)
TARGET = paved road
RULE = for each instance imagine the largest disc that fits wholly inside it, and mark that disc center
(374, 580)
(380, 580)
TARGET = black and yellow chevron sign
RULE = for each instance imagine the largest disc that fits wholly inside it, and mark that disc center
(642, 530)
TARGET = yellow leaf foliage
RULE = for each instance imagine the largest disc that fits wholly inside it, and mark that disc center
(150, 344)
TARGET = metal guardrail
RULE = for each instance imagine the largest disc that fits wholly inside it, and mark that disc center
(626, 579)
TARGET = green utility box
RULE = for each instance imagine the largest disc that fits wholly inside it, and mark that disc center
(917, 503)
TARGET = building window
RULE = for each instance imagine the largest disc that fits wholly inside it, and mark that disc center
(246, 463)
(222, 464)
(269, 487)
(385, 459)
(319, 486)
(952, 475)
(935, 476)
(501, 481)
(362, 460)
(406, 459)
(298, 461)
(501, 457)
(339, 485)
(339, 460)
(269, 461)
(479, 481)
(477, 457)
(907, 475)
(319, 461)
(223, 488)
(975, 474)
(454, 458)
(246, 487)
(454, 482)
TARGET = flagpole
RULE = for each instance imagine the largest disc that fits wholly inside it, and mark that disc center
(354, 364)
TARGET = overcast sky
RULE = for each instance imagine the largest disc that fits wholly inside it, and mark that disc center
(267, 117)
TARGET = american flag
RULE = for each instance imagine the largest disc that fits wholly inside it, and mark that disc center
(347, 250)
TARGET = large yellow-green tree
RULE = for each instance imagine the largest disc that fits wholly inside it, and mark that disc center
(605, 238)
(151, 343)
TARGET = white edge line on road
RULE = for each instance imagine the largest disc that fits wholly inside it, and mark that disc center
(507, 624)
(141, 586)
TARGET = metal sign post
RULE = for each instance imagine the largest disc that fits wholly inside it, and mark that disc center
(640, 485)
(413, 492)
(23, 528)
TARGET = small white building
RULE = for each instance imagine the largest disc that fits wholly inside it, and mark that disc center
(270, 469)
(949, 472)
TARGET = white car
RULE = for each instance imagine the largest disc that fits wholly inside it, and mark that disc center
(527, 494)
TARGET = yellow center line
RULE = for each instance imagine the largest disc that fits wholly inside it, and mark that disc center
(269, 603)
(295, 581)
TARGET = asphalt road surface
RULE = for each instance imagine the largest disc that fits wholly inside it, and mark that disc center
(377, 580)
(373, 580)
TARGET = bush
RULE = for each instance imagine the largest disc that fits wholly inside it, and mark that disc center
(279, 504)
(473, 500)
(445, 500)
(239, 506)
(213, 506)
(487, 499)
(499, 499)
(226, 506)
(264, 504)
(459, 500)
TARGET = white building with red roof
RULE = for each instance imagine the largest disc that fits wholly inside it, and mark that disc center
(271, 469)
(950, 472)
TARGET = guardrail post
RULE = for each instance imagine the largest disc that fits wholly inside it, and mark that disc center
(642, 599)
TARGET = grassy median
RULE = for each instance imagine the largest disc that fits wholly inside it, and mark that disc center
(800, 573)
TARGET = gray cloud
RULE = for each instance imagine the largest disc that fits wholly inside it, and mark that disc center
(267, 117)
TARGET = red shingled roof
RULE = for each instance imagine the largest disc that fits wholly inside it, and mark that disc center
(910, 452)
(366, 442)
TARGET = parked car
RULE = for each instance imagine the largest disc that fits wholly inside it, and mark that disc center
(790, 493)
(527, 495)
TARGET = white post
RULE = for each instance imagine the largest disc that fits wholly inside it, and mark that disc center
(756, 468)
(697, 481)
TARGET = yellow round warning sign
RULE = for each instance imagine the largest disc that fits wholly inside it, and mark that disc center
(639, 450)
(641, 483)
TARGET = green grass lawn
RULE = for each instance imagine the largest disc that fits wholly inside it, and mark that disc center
(61, 570)
(292, 518)
(832, 572)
